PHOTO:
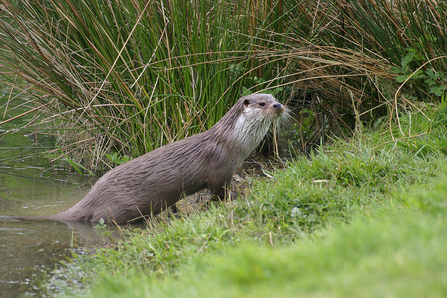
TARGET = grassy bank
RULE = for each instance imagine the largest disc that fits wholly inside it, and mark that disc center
(364, 217)
(401, 254)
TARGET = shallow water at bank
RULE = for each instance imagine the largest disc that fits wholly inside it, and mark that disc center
(30, 251)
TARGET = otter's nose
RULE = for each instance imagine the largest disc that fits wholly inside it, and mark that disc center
(278, 108)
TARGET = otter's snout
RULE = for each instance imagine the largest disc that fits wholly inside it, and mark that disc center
(279, 108)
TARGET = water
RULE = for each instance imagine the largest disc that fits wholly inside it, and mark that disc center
(30, 251)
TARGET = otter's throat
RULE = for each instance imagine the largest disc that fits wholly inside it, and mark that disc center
(249, 132)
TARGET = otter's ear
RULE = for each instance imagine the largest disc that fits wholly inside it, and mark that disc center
(246, 102)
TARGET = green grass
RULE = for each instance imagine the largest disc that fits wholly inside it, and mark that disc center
(398, 255)
(358, 218)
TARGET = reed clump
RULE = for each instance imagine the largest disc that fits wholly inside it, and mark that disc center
(129, 76)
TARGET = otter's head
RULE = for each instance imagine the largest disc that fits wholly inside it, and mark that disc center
(266, 105)
(252, 116)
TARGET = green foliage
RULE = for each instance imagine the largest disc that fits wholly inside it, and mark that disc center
(405, 70)
(117, 159)
(432, 81)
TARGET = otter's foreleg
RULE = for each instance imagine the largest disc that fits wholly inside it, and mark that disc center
(221, 189)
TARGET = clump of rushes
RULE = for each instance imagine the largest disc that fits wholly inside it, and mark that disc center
(129, 76)
(126, 76)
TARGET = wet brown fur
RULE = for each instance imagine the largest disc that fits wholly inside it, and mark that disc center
(154, 181)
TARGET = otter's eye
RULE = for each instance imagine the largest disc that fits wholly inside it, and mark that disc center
(262, 104)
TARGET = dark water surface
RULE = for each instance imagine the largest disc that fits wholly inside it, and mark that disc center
(30, 251)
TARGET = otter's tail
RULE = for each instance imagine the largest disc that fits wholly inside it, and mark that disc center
(25, 218)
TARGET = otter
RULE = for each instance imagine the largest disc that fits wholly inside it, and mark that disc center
(149, 184)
